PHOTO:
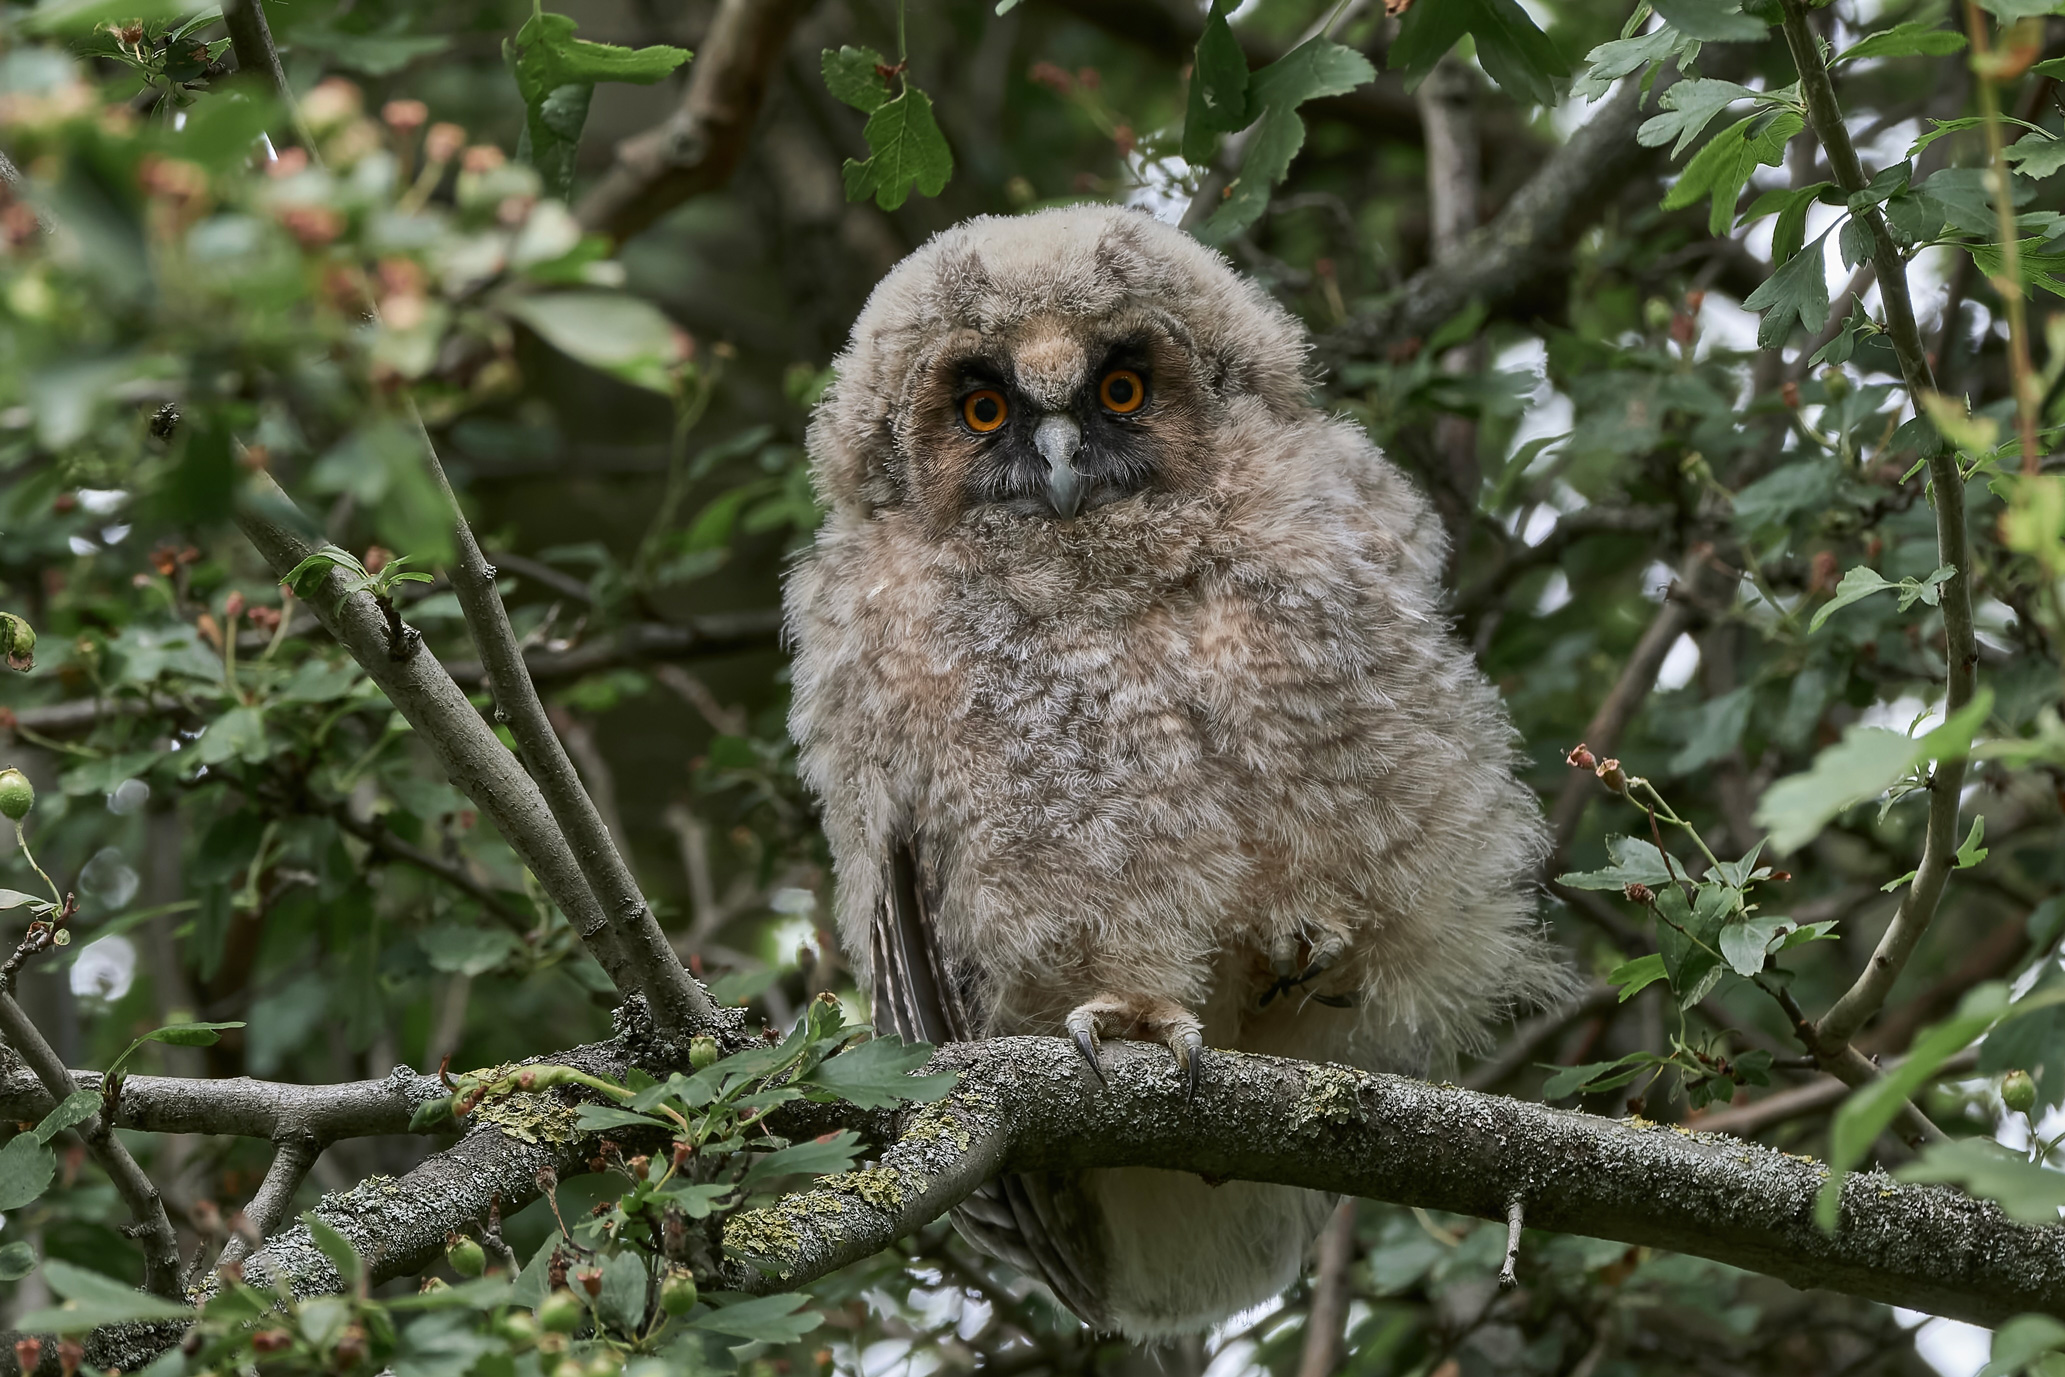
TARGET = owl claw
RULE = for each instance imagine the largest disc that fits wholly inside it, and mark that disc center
(1141, 1016)
(1086, 1043)
(1320, 954)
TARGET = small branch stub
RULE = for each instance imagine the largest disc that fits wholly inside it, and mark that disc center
(1516, 1215)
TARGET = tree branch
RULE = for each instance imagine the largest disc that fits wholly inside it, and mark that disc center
(1026, 1104)
(701, 144)
(292, 1156)
(151, 1227)
(1327, 1320)
(1946, 486)
(1523, 243)
(238, 1105)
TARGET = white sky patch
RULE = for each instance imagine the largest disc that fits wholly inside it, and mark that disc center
(1159, 188)
(1724, 325)
(1657, 580)
(1548, 413)
(1555, 594)
(1679, 664)
(104, 969)
(1901, 714)
(1952, 1347)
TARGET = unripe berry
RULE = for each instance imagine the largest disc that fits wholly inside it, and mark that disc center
(562, 1312)
(17, 795)
(2018, 1091)
(467, 1257)
(702, 1052)
(520, 1328)
(678, 1292)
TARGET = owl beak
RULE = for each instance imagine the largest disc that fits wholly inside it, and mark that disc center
(1057, 438)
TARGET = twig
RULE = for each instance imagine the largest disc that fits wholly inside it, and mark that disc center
(250, 38)
(238, 1105)
(293, 1154)
(1531, 1037)
(1327, 1318)
(150, 1225)
(702, 143)
(1568, 531)
(1516, 1218)
(385, 843)
(1747, 1120)
(1833, 1032)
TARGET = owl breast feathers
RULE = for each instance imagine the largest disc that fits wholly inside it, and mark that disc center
(1122, 674)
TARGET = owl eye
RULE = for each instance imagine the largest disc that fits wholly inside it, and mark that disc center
(1122, 391)
(984, 411)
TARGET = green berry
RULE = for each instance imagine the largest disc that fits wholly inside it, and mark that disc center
(2019, 1091)
(562, 1312)
(467, 1257)
(520, 1328)
(17, 795)
(702, 1052)
(678, 1292)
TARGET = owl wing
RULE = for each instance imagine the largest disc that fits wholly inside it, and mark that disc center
(1033, 1220)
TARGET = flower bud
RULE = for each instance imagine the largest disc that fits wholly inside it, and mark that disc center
(70, 1353)
(1581, 757)
(271, 1341)
(561, 1312)
(17, 795)
(702, 1052)
(2018, 1091)
(27, 1353)
(1610, 775)
(678, 1291)
(467, 1257)
(590, 1279)
(638, 1165)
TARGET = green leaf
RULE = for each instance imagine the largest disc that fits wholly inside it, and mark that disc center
(2028, 1193)
(621, 1301)
(905, 149)
(1635, 862)
(238, 734)
(1722, 168)
(1971, 853)
(1218, 99)
(1623, 57)
(835, 1153)
(1688, 108)
(14, 898)
(1745, 945)
(177, 1035)
(27, 1168)
(624, 336)
(556, 75)
(877, 1074)
(334, 1246)
(1632, 976)
(597, 1118)
(92, 1300)
(1856, 585)
(431, 1114)
(1313, 69)
(1798, 289)
(1711, 21)
(17, 1260)
(2008, 11)
(2021, 1341)
(2036, 158)
(1912, 39)
(462, 950)
(1512, 51)
(1864, 764)
(1598, 1075)
(75, 1108)
(854, 76)
(777, 1319)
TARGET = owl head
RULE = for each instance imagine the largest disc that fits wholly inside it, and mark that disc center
(1048, 366)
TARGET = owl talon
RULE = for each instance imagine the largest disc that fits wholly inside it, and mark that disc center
(1189, 1047)
(1086, 1043)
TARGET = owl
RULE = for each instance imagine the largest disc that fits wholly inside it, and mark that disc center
(1121, 673)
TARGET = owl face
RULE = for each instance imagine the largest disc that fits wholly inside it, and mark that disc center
(1047, 368)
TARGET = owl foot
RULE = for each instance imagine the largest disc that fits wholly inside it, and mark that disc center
(1309, 958)
(1146, 1019)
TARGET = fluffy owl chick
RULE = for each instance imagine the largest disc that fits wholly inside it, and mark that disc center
(1121, 672)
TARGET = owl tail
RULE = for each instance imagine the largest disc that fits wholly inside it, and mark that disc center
(1037, 1222)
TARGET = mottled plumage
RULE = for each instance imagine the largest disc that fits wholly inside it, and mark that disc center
(1143, 729)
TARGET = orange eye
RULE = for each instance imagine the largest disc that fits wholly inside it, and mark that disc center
(1122, 391)
(984, 411)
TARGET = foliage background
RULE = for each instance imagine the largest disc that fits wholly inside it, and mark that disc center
(1615, 426)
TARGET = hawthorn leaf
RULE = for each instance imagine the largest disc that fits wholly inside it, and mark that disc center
(92, 1300)
(905, 149)
(556, 75)
(1798, 289)
(1631, 977)
(878, 1073)
(76, 1108)
(1218, 98)
(1635, 862)
(1911, 39)
(1745, 945)
(1722, 168)
(819, 1157)
(27, 1168)
(1857, 584)
(776, 1319)
(854, 76)
(1512, 51)
(1864, 764)
(1689, 106)
(1711, 21)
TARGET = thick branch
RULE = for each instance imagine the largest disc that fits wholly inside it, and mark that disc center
(292, 1157)
(250, 38)
(1027, 1104)
(1523, 243)
(702, 143)
(471, 756)
(1947, 490)
(151, 1227)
